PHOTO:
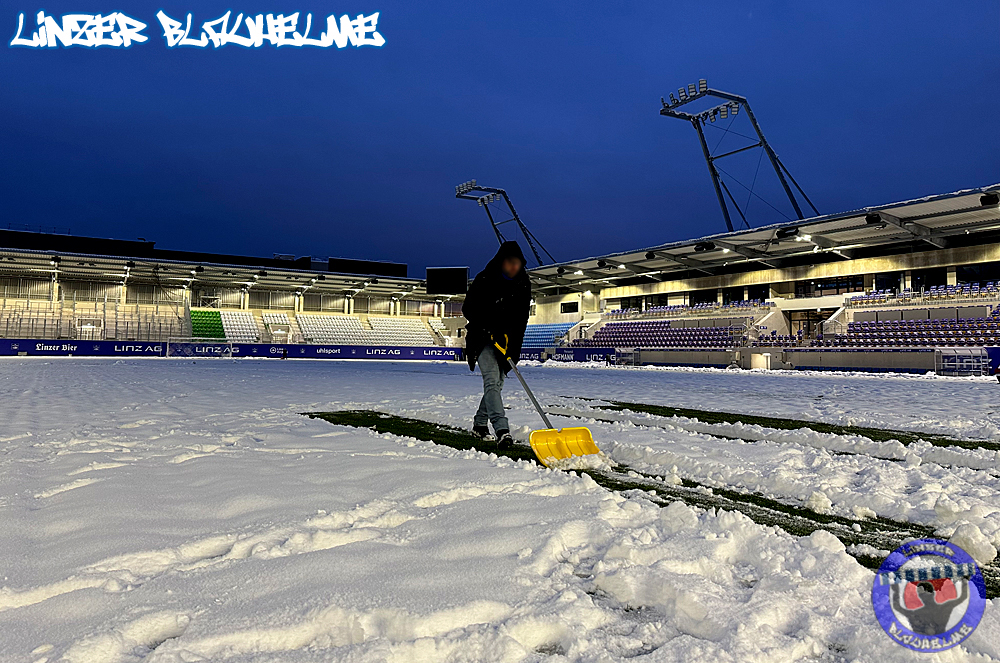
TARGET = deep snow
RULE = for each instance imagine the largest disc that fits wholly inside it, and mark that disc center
(169, 510)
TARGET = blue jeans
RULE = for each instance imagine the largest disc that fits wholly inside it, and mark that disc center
(491, 406)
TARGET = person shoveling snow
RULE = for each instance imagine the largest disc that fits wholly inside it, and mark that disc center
(496, 307)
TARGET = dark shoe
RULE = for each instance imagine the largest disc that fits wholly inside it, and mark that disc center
(504, 439)
(483, 433)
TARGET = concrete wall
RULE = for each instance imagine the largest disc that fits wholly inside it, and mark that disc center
(903, 361)
(863, 360)
(807, 303)
(547, 309)
(718, 358)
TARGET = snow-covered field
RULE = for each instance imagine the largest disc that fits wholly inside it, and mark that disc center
(178, 511)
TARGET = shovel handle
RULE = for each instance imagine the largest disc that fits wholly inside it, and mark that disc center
(531, 396)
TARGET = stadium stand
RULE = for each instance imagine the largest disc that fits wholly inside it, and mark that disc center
(546, 335)
(240, 326)
(349, 330)
(674, 310)
(776, 340)
(966, 292)
(207, 324)
(927, 332)
(660, 334)
(91, 321)
(276, 318)
(337, 329)
(889, 286)
(24, 319)
(280, 328)
(142, 323)
(399, 331)
(437, 324)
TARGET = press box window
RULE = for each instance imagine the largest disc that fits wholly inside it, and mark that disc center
(569, 307)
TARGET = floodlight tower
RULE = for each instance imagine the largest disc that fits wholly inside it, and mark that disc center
(730, 106)
(487, 195)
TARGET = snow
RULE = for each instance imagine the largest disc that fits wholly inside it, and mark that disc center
(971, 539)
(175, 511)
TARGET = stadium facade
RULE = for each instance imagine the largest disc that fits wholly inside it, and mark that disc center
(61, 294)
(912, 286)
(903, 286)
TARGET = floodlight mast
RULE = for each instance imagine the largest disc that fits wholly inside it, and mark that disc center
(485, 195)
(731, 105)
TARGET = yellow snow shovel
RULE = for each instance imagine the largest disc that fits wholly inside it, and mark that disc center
(551, 444)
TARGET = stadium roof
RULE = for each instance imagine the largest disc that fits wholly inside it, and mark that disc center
(138, 262)
(934, 222)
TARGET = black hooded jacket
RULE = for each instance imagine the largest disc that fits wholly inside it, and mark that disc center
(497, 305)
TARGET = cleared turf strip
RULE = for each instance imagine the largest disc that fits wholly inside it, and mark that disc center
(876, 434)
(595, 416)
(878, 533)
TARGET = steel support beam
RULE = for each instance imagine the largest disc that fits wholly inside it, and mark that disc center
(915, 229)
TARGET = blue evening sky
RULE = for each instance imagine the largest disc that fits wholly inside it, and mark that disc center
(356, 152)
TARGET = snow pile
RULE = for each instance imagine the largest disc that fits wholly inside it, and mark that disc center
(970, 538)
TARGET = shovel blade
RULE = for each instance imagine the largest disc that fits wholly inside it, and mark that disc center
(563, 443)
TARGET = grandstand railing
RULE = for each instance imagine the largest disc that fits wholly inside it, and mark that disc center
(936, 295)
(753, 307)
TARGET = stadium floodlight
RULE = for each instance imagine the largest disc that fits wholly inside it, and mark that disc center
(990, 200)
(560, 271)
(601, 264)
(729, 108)
(701, 247)
(622, 267)
(199, 269)
(785, 233)
(650, 255)
(578, 272)
(465, 187)
(873, 218)
(484, 197)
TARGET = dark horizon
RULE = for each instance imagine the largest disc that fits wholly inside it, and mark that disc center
(355, 152)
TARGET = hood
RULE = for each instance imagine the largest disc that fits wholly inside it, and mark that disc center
(509, 249)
